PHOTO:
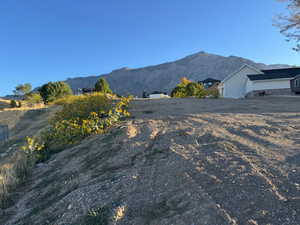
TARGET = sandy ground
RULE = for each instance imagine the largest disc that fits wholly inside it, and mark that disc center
(176, 161)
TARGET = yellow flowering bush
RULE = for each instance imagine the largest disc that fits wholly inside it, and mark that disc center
(80, 117)
(81, 106)
(32, 145)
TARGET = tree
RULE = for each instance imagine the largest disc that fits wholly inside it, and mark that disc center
(289, 25)
(34, 98)
(185, 81)
(187, 88)
(179, 92)
(54, 90)
(23, 89)
(194, 88)
(102, 86)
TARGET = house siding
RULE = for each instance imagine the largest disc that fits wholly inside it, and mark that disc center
(158, 96)
(249, 81)
(271, 84)
(295, 85)
(236, 85)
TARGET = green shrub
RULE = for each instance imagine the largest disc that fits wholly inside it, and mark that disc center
(81, 106)
(13, 104)
(213, 93)
(187, 88)
(102, 86)
(33, 98)
(79, 118)
(179, 92)
(54, 90)
(193, 89)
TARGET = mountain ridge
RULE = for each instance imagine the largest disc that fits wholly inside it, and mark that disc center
(165, 76)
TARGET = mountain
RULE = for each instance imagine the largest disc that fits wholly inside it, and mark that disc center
(165, 77)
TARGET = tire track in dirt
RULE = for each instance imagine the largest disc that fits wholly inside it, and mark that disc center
(239, 147)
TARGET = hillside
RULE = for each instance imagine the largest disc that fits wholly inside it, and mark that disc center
(176, 161)
(166, 76)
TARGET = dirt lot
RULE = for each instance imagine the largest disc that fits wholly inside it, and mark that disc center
(177, 161)
(180, 107)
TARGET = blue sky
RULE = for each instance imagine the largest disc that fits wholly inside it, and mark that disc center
(43, 41)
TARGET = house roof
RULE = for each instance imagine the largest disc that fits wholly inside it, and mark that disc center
(209, 80)
(276, 74)
(296, 77)
(243, 67)
(291, 70)
(157, 92)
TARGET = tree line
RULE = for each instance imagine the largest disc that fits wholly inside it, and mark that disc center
(51, 91)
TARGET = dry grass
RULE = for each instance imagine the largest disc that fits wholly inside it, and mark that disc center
(120, 213)
(26, 121)
(15, 164)
(5, 106)
(26, 108)
(13, 171)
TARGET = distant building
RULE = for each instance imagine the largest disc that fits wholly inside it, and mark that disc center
(250, 81)
(209, 82)
(295, 85)
(85, 91)
(158, 94)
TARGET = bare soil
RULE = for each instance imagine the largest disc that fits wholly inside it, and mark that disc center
(176, 161)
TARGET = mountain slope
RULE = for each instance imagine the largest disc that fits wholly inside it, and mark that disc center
(164, 77)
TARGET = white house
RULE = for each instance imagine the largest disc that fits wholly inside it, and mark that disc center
(250, 81)
(158, 96)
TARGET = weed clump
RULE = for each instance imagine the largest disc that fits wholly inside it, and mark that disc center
(12, 173)
(97, 216)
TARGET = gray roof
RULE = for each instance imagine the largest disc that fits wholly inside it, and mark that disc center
(209, 80)
(276, 74)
